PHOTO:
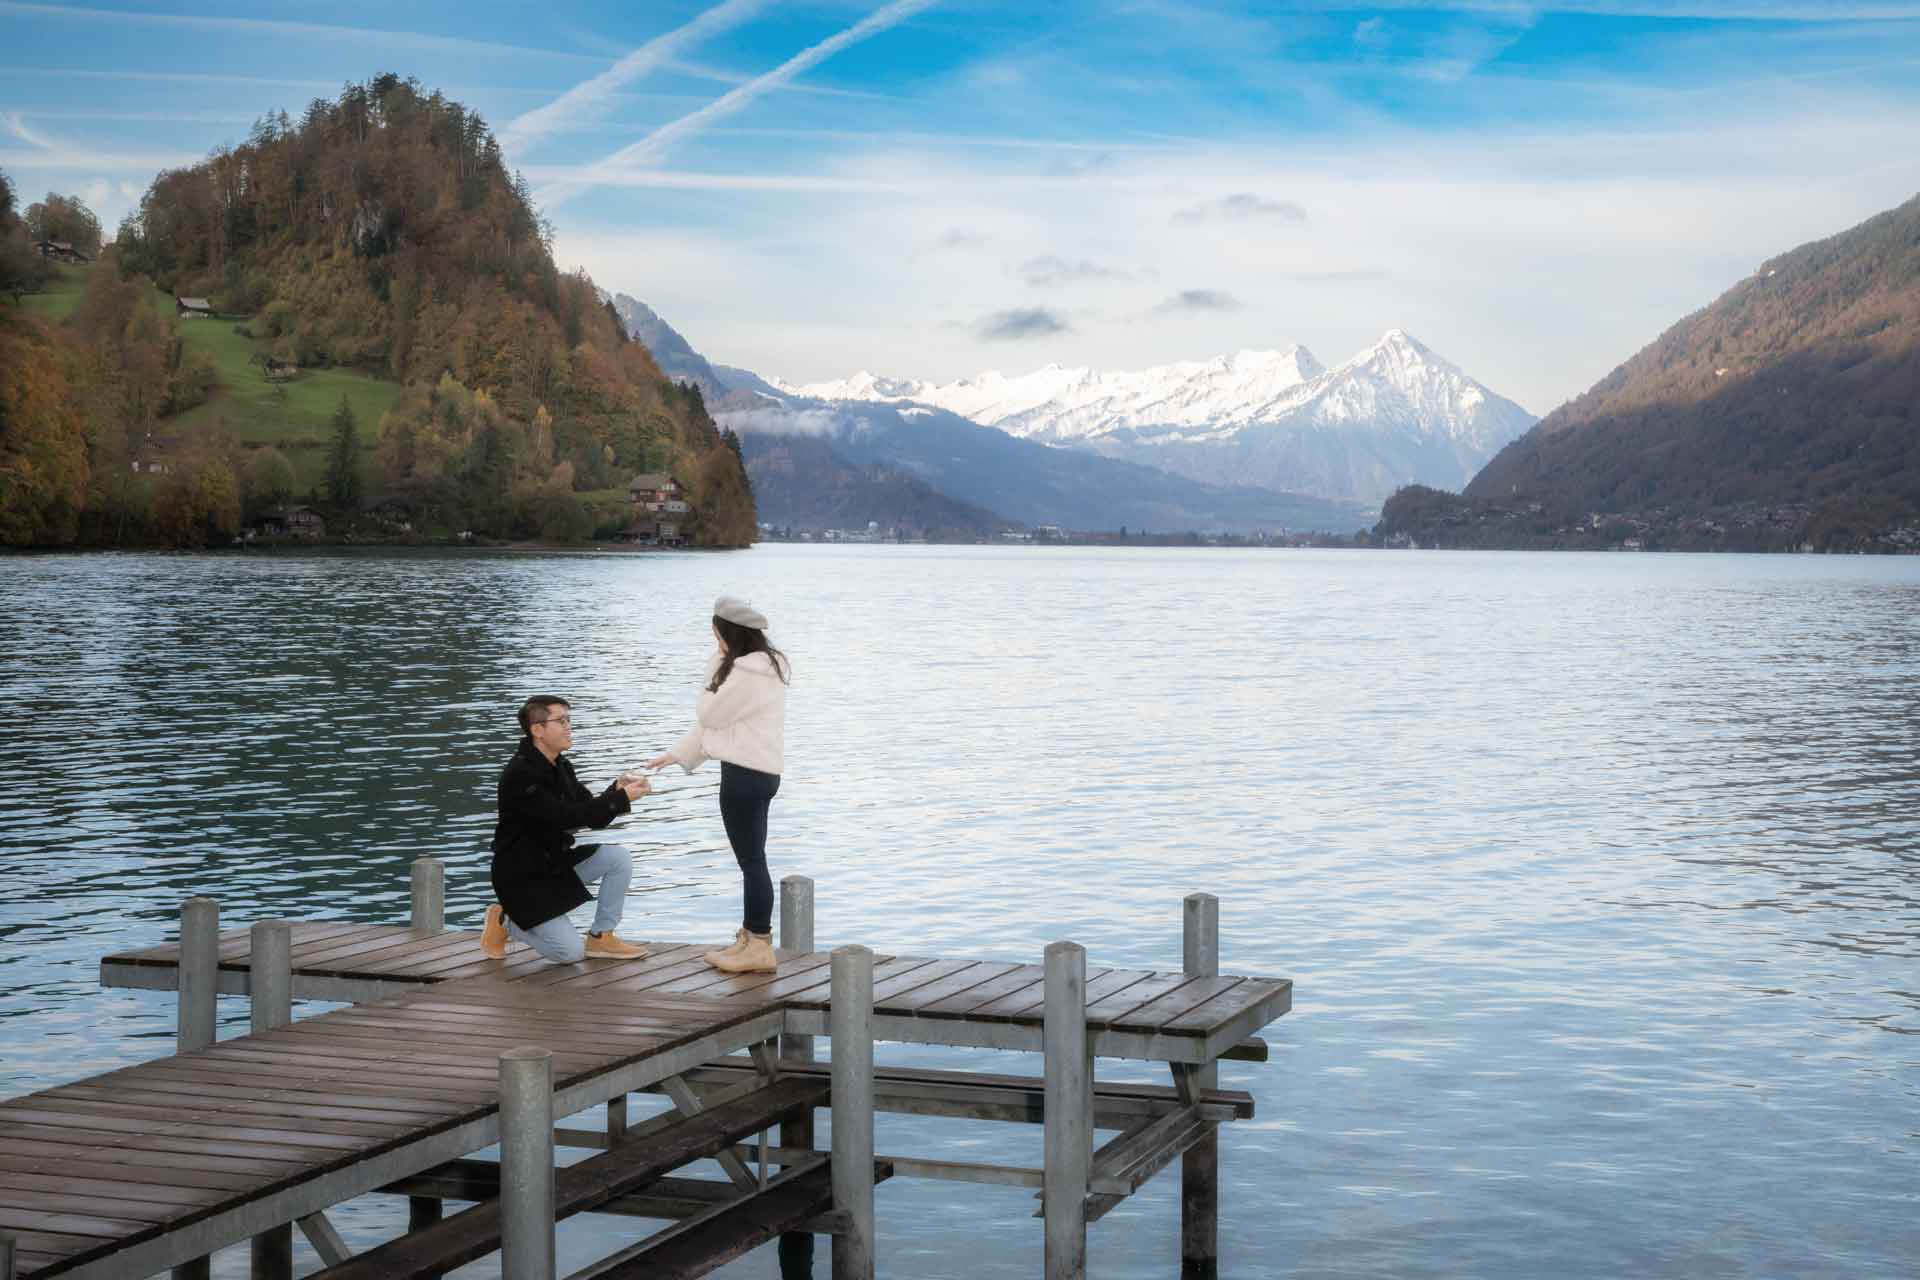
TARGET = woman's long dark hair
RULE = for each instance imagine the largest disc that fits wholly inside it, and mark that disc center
(740, 641)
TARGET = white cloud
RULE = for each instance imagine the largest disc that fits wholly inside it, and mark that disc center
(1537, 261)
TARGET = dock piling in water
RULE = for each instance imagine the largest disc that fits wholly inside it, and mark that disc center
(429, 895)
(1200, 1163)
(526, 1164)
(270, 994)
(852, 1099)
(199, 971)
(1069, 1112)
(796, 934)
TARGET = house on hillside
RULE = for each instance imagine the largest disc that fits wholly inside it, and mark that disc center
(296, 522)
(654, 533)
(656, 492)
(154, 454)
(60, 251)
(192, 306)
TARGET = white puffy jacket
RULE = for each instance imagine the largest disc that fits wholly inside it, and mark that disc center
(745, 723)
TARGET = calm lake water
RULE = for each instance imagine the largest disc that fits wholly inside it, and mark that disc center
(1599, 876)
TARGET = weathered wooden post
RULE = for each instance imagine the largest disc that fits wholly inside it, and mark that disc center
(852, 1100)
(270, 993)
(7, 1261)
(1068, 1112)
(526, 1164)
(199, 972)
(796, 934)
(429, 895)
(1200, 1163)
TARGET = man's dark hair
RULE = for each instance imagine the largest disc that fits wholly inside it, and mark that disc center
(536, 709)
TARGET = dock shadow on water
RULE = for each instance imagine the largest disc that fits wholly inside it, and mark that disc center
(1597, 876)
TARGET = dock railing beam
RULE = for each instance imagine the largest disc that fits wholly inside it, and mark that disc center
(1068, 1112)
(1200, 1163)
(199, 972)
(429, 895)
(796, 934)
(270, 993)
(852, 1100)
(526, 1164)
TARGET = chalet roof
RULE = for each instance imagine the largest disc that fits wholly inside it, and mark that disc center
(194, 304)
(651, 480)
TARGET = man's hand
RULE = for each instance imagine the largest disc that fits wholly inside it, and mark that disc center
(635, 785)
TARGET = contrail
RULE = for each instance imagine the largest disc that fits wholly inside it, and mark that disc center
(584, 97)
(660, 140)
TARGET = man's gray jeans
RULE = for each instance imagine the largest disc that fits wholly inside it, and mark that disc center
(557, 939)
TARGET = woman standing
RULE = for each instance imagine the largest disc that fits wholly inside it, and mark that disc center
(742, 722)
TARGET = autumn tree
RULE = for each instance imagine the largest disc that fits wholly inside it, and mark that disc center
(43, 453)
(22, 269)
(67, 219)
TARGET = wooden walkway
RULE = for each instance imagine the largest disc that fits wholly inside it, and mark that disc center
(1131, 1013)
(128, 1173)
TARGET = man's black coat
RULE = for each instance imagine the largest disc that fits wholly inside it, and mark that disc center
(541, 805)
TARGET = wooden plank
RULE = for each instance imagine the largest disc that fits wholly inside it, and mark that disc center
(44, 1158)
(1207, 1017)
(960, 980)
(129, 1121)
(15, 1219)
(960, 1005)
(1125, 1001)
(185, 1143)
(329, 1090)
(416, 956)
(1157, 1013)
(61, 1147)
(312, 1112)
(581, 1187)
(55, 1194)
(715, 983)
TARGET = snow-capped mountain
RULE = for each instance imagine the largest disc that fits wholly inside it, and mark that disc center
(1394, 414)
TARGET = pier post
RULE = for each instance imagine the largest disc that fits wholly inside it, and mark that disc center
(1200, 1163)
(796, 934)
(199, 971)
(1068, 1112)
(7, 1261)
(526, 1164)
(429, 895)
(270, 993)
(852, 1100)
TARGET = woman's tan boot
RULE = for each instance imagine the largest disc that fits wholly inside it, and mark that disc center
(754, 957)
(739, 941)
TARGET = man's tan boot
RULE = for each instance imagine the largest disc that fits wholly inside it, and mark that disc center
(493, 934)
(755, 957)
(609, 946)
(739, 941)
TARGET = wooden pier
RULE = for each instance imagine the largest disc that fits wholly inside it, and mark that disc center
(446, 1052)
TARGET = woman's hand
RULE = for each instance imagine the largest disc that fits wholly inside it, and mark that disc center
(661, 761)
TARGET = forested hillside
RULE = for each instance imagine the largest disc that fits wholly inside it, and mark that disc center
(1786, 413)
(378, 238)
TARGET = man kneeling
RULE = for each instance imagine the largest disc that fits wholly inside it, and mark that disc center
(538, 873)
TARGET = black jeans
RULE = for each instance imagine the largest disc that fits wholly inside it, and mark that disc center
(745, 795)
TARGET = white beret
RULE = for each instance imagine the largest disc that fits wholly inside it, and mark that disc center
(739, 612)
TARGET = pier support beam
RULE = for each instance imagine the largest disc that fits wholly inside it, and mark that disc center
(429, 895)
(270, 987)
(199, 972)
(796, 934)
(852, 1098)
(1068, 1112)
(526, 1164)
(1200, 1164)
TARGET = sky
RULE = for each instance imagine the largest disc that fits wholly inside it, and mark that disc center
(929, 189)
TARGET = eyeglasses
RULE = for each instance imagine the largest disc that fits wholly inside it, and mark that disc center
(566, 720)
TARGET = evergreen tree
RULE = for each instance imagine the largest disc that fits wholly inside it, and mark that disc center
(343, 459)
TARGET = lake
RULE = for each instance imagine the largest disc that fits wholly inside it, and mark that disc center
(1599, 876)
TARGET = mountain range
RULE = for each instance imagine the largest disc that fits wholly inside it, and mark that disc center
(1394, 414)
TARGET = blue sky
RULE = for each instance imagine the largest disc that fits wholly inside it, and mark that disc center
(1534, 190)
